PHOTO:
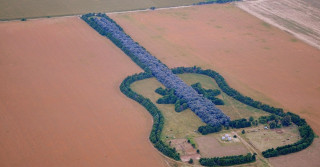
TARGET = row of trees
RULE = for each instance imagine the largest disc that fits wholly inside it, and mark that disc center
(228, 160)
(240, 123)
(201, 106)
(214, 1)
(209, 94)
(204, 130)
(158, 119)
(275, 121)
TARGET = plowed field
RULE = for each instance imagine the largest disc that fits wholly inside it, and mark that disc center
(60, 103)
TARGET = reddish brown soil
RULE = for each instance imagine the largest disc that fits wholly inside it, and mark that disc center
(60, 103)
(257, 59)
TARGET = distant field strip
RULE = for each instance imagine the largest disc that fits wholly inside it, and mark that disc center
(17, 9)
(299, 17)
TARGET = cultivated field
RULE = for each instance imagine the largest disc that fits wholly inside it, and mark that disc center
(299, 17)
(256, 58)
(60, 103)
(15, 9)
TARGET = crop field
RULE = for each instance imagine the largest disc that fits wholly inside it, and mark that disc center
(16, 9)
(60, 103)
(299, 17)
(256, 58)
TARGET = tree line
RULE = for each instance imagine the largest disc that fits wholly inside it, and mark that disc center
(228, 160)
(240, 123)
(214, 1)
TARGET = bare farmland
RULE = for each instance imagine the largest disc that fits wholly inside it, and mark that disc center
(60, 103)
(15, 9)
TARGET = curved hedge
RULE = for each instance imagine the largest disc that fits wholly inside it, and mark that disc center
(158, 119)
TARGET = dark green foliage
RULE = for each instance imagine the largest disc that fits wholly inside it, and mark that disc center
(296, 119)
(240, 123)
(162, 91)
(23, 19)
(190, 161)
(243, 132)
(170, 98)
(180, 105)
(286, 120)
(272, 124)
(167, 99)
(209, 94)
(234, 136)
(228, 160)
(158, 119)
(209, 129)
(251, 119)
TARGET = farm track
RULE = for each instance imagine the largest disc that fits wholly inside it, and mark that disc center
(252, 149)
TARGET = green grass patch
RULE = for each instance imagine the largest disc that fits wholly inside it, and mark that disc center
(186, 123)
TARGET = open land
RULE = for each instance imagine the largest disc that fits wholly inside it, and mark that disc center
(16, 9)
(60, 103)
(263, 139)
(299, 17)
(257, 59)
(212, 146)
